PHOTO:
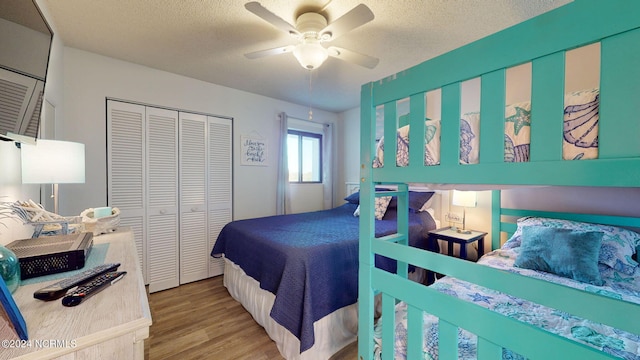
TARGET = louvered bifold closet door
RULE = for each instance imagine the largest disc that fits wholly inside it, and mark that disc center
(126, 170)
(17, 91)
(162, 205)
(220, 183)
(30, 124)
(194, 251)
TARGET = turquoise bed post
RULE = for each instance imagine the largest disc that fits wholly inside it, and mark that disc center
(547, 119)
(402, 225)
(496, 204)
(390, 126)
(367, 226)
(492, 117)
(417, 134)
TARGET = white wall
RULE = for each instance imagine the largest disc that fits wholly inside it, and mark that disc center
(349, 151)
(90, 78)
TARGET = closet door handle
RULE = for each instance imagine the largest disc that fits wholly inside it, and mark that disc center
(193, 209)
(163, 211)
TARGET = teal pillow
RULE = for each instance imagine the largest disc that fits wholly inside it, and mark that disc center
(618, 244)
(565, 252)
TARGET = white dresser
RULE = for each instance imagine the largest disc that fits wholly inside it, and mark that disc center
(112, 324)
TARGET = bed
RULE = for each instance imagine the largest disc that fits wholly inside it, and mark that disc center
(612, 272)
(297, 274)
(477, 149)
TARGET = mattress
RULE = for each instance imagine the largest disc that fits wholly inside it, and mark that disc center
(613, 341)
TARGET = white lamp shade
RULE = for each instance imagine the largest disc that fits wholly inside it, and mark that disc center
(310, 54)
(464, 198)
(52, 162)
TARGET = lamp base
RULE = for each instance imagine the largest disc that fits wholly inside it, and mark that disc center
(461, 231)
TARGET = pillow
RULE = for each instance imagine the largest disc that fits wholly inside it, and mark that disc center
(381, 206)
(618, 244)
(382, 203)
(355, 197)
(417, 200)
(565, 252)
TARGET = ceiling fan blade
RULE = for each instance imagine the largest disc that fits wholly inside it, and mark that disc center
(266, 15)
(269, 52)
(353, 57)
(356, 17)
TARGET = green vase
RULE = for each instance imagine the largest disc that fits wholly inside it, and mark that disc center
(9, 268)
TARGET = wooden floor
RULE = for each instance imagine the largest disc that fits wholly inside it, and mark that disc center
(201, 320)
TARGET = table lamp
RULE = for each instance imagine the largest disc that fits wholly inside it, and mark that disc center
(53, 162)
(465, 199)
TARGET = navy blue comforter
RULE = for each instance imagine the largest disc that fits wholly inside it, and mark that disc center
(309, 260)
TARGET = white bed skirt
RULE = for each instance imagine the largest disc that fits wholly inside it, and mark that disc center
(332, 332)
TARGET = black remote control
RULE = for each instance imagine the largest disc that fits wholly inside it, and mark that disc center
(91, 288)
(59, 289)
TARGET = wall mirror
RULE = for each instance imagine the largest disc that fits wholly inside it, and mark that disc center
(25, 45)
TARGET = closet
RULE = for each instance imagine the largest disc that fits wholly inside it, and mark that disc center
(205, 192)
(170, 174)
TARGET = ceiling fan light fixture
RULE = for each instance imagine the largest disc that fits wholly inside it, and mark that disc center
(310, 54)
(311, 30)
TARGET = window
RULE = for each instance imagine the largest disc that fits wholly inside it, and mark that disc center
(305, 156)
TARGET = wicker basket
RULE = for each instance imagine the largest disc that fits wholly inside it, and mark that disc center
(101, 225)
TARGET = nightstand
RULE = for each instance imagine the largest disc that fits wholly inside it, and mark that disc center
(454, 237)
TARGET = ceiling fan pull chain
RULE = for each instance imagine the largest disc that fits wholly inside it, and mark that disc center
(310, 96)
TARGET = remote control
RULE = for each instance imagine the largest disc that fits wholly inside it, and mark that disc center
(59, 289)
(91, 288)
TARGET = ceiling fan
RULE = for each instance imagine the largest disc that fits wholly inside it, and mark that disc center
(312, 30)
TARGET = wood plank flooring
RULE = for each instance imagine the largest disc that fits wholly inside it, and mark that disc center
(201, 320)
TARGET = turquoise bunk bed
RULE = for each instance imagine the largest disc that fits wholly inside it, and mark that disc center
(543, 42)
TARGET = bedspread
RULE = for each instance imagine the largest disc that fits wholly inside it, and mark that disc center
(613, 341)
(309, 260)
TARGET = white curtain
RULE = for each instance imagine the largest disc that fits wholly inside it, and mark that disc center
(283, 201)
(327, 166)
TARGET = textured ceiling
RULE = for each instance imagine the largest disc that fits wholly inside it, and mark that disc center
(207, 39)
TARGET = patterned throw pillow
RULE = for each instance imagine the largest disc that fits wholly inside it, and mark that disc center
(618, 244)
(382, 203)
